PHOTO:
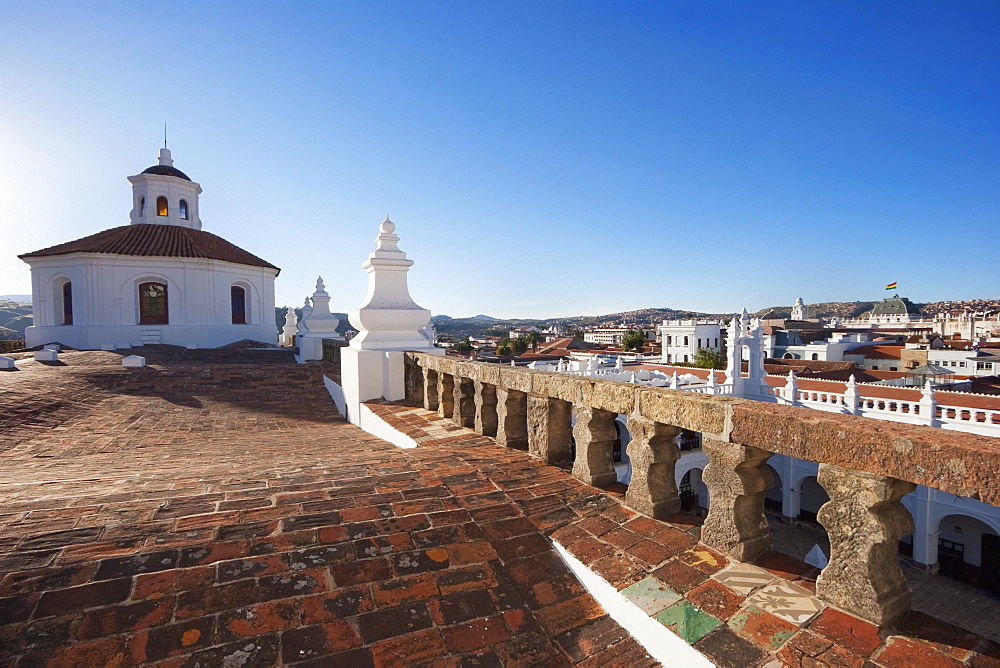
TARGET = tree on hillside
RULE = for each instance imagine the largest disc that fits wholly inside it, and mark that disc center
(633, 339)
(706, 358)
(463, 346)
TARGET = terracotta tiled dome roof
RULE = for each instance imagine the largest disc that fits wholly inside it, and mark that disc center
(156, 240)
(166, 170)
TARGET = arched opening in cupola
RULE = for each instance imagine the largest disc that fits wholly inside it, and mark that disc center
(183, 208)
(161, 206)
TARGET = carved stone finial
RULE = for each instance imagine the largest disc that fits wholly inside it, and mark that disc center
(319, 284)
(387, 226)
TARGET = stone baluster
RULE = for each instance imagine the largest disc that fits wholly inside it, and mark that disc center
(413, 376)
(549, 428)
(653, 452)
(594, 433)
(446, 395)
(737, 478)
(486, 408)
(430, 389)
(512, 418)
(864, 520)
(465, 402)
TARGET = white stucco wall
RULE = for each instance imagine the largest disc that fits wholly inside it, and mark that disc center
(106, 301)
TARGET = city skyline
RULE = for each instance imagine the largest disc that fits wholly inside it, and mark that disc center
(539, 161)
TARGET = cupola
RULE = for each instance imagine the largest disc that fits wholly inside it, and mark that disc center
(164, 195)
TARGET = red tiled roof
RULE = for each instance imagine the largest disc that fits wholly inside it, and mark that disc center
(156, 241)
(877, 352)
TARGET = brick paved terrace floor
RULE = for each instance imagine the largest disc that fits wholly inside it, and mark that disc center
(216, 512)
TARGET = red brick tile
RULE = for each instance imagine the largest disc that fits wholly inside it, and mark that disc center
(257, 619)
(478, 576)
(715, 599)
(238, 569)
(101, 652)
(909, 653)
(357, 572)
(292, 583)
(461, 607)
(206, 601)
(626, 653)
(855, 634)
(679, 576)
(74, 599)
(405, 590)
(162, 642)
(564, 616)
(590, 550)
(415, 648)
(597, 525)
(621, 538)
(393, 621)
(212, 552)
(476, 634)
(306, 642)
(470, 553)
(122, 618)
(584, 641)
(165, 583)
(617, 568)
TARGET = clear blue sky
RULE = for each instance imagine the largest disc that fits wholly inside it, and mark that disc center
(539, 158)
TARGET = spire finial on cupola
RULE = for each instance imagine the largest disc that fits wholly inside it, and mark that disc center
(165, 158)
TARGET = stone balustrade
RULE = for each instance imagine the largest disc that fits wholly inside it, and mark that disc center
(866, 465)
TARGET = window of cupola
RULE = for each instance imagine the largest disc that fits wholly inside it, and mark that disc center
(142, 206)
(183, 208)
(161, 206)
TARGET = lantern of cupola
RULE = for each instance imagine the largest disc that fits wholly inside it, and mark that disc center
(164, 195)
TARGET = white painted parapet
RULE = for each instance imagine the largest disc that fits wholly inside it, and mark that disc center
(388, 323)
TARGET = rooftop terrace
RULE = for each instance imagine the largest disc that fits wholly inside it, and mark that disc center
(213, 512)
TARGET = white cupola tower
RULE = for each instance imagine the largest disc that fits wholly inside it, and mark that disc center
(164, 195)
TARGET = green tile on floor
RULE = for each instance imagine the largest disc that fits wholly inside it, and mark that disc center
(651, 595)
(687, 621)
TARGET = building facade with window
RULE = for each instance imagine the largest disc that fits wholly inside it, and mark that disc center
(160, 279)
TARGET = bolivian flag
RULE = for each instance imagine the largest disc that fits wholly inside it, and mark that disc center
(891, 286)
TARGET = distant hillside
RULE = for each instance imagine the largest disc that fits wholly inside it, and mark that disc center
(652, 317)
(15, 317)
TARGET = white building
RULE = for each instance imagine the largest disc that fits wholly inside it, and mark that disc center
(160, 279)
(681, 339)
(610, 336)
